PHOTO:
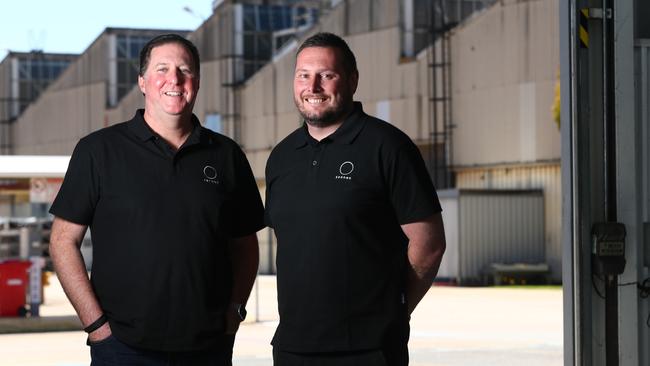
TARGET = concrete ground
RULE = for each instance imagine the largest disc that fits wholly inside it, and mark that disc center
(453, 326)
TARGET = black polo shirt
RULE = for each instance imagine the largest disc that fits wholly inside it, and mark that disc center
(336, 207)
(160, 222)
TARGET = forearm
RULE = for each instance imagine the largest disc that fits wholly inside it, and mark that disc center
(71, 272)
(69, 265)
(425, 250)
(422, 270)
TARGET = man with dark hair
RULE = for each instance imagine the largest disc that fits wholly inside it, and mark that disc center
(173, 209)
(145, 52)
(357, 219)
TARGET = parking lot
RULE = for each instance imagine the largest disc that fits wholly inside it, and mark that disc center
(453, 326)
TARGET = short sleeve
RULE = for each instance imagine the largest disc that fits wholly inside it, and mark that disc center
(411, 190)
(79, 193)
(247, 211)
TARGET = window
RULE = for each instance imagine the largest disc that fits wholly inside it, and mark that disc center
(128, 61)
(213, 122)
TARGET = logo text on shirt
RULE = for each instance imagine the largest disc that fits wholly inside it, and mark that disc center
(210, 174)
(345, 170)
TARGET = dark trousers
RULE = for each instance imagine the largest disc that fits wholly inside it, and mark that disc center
(393, 352)
(357, 358)
(112, 352)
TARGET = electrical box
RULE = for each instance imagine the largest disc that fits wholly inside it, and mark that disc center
(608, 247)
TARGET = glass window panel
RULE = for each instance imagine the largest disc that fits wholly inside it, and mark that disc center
(249, 69)
(133, 49)
(36, 71)
(249, 45)
(141, 43)
(275, 18)
(287, 17)
(213, 122)
(22, 70)
(264, 18)
(121, 46)
(300, 16)
(249, 17)
(263, 48)
(468, 7)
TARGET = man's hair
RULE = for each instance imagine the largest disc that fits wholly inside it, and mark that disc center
(145, 53)
(330, 40)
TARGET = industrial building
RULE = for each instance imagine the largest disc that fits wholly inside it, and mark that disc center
(484, 125)
(75, 103)
(474, 83)
(23, 77)
(398, 68)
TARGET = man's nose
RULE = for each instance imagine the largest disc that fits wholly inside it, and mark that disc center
(175, 76)
(315, 84)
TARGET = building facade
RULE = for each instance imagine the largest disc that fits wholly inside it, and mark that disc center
(470, 81)
(23, 77)
(75, 103)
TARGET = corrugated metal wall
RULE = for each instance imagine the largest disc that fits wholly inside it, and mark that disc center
(546, 177)
(491, 226)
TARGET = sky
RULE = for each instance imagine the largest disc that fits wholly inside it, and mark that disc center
(70, 26)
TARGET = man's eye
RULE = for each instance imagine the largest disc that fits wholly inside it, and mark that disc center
(162, 69)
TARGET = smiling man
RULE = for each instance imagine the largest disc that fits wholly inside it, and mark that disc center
(173, 209)
(357, 219)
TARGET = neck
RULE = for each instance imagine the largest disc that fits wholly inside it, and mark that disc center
(173, 129)
(319, 133)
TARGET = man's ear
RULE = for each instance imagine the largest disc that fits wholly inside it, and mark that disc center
(141, 84)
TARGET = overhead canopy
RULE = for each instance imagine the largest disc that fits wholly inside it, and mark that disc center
(32, 166)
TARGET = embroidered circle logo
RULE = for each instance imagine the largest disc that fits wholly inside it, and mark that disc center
(210, 173)
(346, 168)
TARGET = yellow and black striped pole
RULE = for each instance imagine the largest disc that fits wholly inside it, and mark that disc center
(583, 29)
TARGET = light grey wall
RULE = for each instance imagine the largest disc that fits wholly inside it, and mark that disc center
(504, 68)
(71, 107)
(58, 119)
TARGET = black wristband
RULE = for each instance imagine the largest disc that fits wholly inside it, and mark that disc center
(96, 324)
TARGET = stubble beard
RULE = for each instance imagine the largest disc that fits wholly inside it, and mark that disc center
(328, 117)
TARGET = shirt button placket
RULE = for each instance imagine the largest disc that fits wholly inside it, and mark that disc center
(316, 160)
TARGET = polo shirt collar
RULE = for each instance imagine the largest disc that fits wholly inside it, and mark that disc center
(142, 130)
(345, 134)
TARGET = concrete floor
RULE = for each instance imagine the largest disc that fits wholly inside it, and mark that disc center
(453, 326)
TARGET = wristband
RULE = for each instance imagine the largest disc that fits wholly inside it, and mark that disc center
(241, 311)
(96, 324)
